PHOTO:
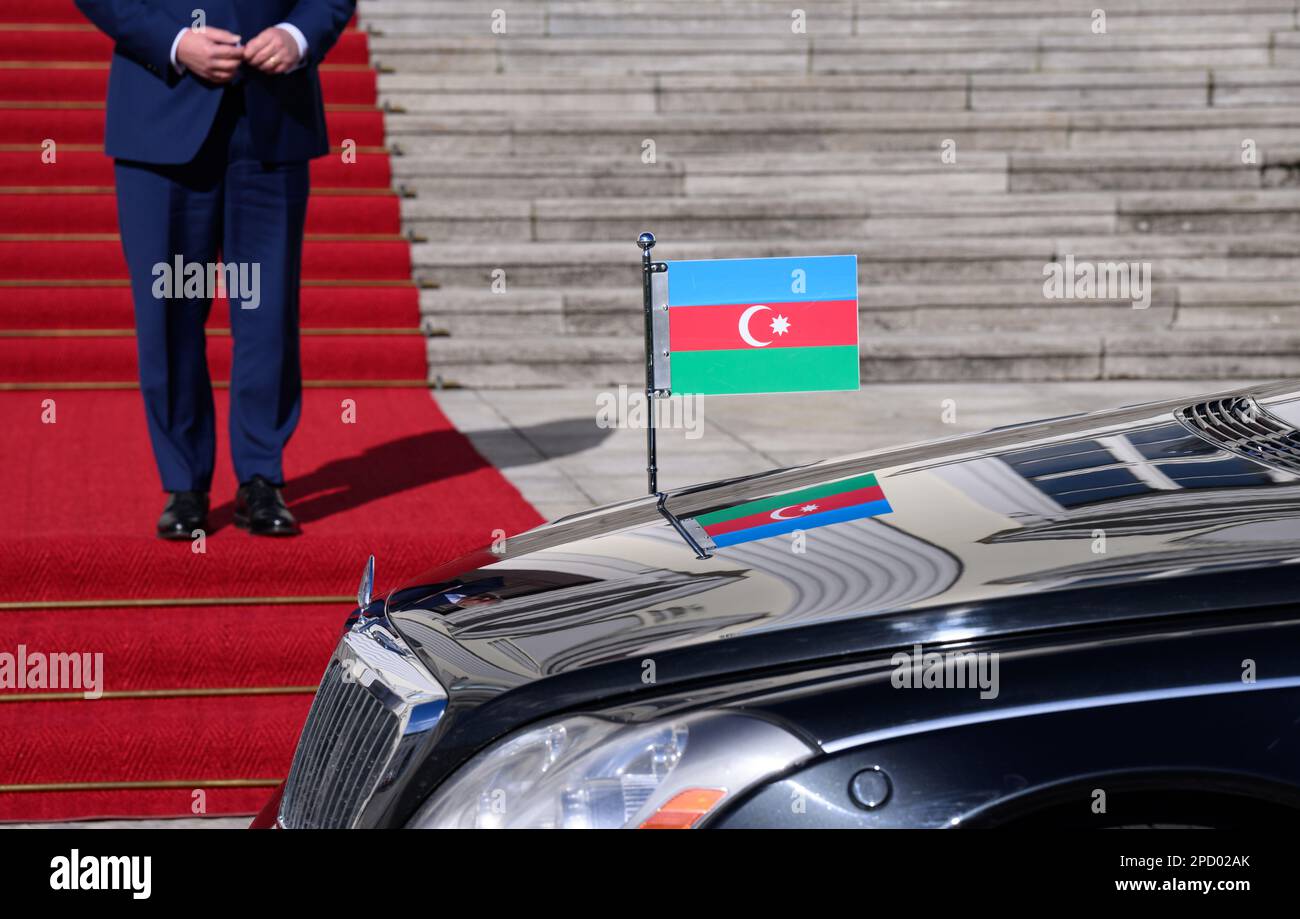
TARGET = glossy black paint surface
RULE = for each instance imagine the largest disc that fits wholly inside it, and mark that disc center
(1115, 709)
(993, 541)
(998, 773)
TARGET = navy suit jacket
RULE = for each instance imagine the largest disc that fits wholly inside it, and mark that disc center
(156, 115)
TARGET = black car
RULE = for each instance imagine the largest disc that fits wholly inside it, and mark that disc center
(1086, 622)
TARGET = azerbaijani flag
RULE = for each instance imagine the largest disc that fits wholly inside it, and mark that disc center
(751, 325)
(834, 502)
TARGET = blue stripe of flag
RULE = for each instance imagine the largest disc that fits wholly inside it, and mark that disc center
(711, 282)
(778, 527)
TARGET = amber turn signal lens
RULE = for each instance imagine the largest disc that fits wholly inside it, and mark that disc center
(685, 809)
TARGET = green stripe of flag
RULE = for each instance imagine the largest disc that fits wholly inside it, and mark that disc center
(756, 370)
(787, 499)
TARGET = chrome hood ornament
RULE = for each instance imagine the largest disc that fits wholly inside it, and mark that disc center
(367, 586)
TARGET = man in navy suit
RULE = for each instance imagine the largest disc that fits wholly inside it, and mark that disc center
(213, 114)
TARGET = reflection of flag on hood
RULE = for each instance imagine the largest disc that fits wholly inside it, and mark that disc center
(834, 502)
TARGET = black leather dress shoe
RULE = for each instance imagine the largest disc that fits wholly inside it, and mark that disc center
(261, 510)
(186, 511)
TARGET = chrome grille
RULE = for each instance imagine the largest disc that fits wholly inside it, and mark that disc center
(346, 743)
(375, 697)
(1238, 424)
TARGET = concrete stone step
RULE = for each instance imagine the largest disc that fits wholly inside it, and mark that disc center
(899, 213)
(599, 17)
(1228, 213)
(428, 93)
(941, 309)
(461, 312)
(884, 308)
(789, 216)
(1186, 305)
(697, 18)
(569, 360)
(1238, 305)
(1286, 48)
(1200, 354)
(458, 19)
(435, 53)
(812, 175)
(1152, 169)
(603, 264)
(628, 137)
(919, 16)
(1194, 165)
(1158, 130)
(519, 24)
(805, 173)
(440, 93)
(1193, 257)
(531, 360)
(1253, 88)
(901, 261)
(671, 17)
(929, 308)
(928, 10)
(1002, 356)
(969, 357)
(411, 52)
(499, 177)
(476, 93)
(1074, 90)
(742, 174)
(438, 218)
(1079, 50)
(534, 154)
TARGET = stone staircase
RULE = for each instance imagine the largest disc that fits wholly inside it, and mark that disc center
(1173, 138)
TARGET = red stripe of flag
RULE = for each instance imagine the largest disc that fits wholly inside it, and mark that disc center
(812, 324)
(828, 503)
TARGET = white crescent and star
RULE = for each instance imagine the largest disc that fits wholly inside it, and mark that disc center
(804, 509)
(780, 325)
(744, 327)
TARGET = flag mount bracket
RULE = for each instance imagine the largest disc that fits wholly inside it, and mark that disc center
(681, 528)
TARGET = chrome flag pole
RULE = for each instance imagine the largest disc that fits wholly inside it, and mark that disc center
(648, 267)
(657, 353)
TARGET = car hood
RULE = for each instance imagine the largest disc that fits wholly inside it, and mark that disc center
(1108, 515)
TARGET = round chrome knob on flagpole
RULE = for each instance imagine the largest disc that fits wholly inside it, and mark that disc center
(646, 241)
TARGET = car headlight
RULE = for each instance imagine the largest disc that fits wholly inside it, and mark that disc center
(587, 772)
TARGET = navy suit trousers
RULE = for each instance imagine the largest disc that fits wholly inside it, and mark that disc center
(224, 205)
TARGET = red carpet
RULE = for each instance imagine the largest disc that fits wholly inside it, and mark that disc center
(83, 305)
(76, 167)
(84, 124)
(75, 41)
(90, 212)
(209, 659)
(89, 83)
(375, 358)
(43, 258)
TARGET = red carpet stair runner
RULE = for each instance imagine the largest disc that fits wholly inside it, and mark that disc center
(209, 659)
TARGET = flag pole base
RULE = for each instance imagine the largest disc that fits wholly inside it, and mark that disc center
(682, 531)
